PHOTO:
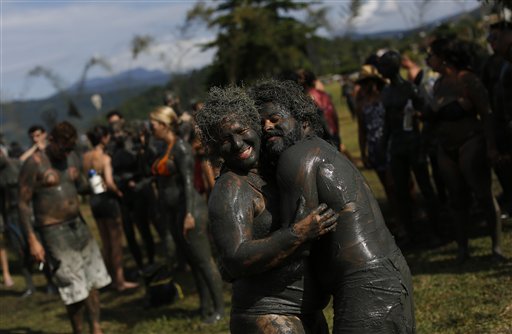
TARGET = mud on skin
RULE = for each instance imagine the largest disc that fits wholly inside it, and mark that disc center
(174, 190)
(360, 243)
(254, 248)
(272, 282)
(50, 180)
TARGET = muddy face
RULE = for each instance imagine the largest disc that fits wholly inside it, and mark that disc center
(239, 146)
(280, 129)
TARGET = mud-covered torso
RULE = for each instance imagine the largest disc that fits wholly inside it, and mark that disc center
(55, 197)
(455, 117)
(170, 180)
(314, 169)
(124, 165)
(287, 289)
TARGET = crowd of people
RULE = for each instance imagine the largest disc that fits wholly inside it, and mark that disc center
(255, 187)
(450, 119)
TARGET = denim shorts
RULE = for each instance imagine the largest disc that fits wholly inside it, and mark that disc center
(76, 259)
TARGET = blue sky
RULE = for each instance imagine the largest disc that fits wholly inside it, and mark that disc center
(63, 35)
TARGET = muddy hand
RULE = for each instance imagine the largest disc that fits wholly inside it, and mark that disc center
(315, 224)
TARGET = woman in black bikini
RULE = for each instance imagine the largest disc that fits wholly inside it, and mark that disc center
(463, 125)
(185, 212)
(105, 207)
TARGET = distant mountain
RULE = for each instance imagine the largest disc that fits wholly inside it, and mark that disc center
(17, 116)
(124, 80)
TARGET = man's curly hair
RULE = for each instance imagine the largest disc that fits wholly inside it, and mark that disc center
(289, 96)
(222, 105)
(64, 132)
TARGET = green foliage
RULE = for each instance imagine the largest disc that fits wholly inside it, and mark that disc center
(140, 44)
(499, 3)
(343, 54)
(255, 38)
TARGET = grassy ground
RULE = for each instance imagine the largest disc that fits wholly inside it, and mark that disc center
(475, 297)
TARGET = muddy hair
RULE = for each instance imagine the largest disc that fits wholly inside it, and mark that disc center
(222, 105)
(64, 132)
(289, 96)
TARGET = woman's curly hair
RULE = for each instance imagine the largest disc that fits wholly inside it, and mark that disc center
(289, 96)
(222, 105)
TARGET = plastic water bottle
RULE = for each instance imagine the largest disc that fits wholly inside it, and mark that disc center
(96, 182)
(408, 116)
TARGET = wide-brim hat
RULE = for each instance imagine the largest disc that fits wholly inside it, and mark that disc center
(369, 72)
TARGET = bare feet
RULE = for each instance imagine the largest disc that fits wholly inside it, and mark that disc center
(126, 286)
(8, 282)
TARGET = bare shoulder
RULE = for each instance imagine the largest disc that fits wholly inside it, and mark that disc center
(231, 190)
(469, 79)
(106, 159)
(227, 185)
(32, 169)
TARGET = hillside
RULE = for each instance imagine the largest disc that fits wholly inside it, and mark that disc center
(17, 116)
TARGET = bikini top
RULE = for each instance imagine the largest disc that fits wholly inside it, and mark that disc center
(453, 111)
(160, 166)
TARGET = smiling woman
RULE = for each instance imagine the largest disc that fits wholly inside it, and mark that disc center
(240, 146)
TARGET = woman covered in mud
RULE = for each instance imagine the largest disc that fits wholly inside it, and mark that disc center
(463, 126)
(184, 210)
(273, 287)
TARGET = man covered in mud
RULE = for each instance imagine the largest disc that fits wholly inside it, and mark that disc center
(49, 180)
(359, 263)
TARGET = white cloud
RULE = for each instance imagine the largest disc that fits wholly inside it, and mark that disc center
(168, 55)
(387, 15)
(63, 36)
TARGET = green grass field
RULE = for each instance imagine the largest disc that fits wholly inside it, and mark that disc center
(475, 297)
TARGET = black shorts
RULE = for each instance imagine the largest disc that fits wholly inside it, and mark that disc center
(104, 206)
